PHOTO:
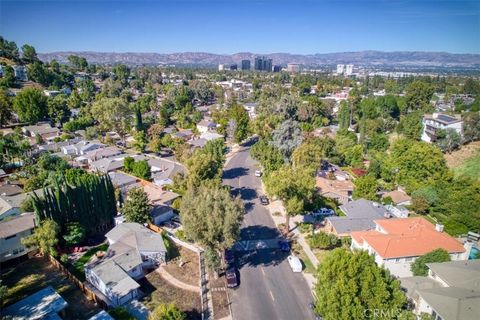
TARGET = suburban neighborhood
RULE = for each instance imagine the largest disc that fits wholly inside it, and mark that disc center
(243, 186)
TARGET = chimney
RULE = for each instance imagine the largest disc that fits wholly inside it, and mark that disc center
(439, 227)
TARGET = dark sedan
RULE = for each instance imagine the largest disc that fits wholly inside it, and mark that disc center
(231, 276)
(264, 200)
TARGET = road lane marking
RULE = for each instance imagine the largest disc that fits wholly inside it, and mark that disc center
(271, 294)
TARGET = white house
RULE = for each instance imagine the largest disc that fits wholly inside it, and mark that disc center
(11, 233)
(132, 249)
(82, 147)
(396, 243)
(436, 121)
(206, 126)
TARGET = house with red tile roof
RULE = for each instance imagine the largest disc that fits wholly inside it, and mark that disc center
(396, 243)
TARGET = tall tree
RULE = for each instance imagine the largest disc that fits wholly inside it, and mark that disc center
(29, 54)
(295, 187)
(113, 114)
(30, 105)
(366, 187)
(5, 108)
(349, 283)
(136, 207)
(448, 140)
(418, 95)
(58, 109)
(211, 216)
(287, 137)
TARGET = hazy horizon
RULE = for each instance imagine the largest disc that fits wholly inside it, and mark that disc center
(228, 27)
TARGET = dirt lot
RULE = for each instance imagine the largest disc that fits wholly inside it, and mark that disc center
(456, 158)
(189, 271)
(219, 298)
(37, 273)
(159, 291)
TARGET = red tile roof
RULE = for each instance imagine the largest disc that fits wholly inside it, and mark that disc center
(410, 237)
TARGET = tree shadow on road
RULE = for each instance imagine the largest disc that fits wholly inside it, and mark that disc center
(234, 173)
(259, 257)
(245, 194)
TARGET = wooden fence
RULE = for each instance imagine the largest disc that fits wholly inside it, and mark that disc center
(89, 294)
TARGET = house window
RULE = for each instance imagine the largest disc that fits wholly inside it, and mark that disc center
(397, 260)
(409, 259)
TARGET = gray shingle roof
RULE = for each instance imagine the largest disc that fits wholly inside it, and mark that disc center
(362, 208)
(347, 224)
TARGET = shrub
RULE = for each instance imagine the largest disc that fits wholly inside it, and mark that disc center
(64, 258)
(323, 240)
(419, 267)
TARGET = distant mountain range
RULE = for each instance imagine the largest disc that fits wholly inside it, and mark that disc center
(364, 58)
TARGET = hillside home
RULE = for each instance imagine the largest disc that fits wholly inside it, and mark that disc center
(451, 291)
(164, 170)
(399, 197)
(12, 231)
(436, 121)
(82, 147)
(20, 73)
(396, 243)
(132, 249)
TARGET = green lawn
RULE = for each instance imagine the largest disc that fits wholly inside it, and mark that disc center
(77, 268)
(470, 168)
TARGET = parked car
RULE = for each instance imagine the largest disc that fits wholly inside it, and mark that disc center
(258, 173)
(284, 245)
(231, 276)
(264, 200)
(295, 263)
(228, 256)
(324, 212)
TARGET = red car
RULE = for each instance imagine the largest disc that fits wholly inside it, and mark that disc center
(231, 276)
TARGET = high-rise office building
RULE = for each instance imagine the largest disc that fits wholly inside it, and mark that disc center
(340, 68)
(245, 64)
(277, 68)
(348, 69)
(263, 64)
(233, 66)
(221, 67)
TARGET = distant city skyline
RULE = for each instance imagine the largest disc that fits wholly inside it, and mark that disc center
(227, 27)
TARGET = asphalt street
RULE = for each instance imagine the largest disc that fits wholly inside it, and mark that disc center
(268, 287)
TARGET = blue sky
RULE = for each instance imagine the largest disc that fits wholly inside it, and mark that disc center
(230, 26)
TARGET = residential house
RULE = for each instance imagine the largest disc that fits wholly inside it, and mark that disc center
(251, 108)
(396, 243)
(206, 126)
(436, 121)
(339, 190)
(359, 216)
(399, 197)
(12, 231)
(43, 130)
(164, 170)
(82, 147)
(160, 201)
(106, 165)
(132, 249)
(185, 135)
(122, 181)
(45, 304)
(98, 154)
(451, 291)
(20, 73)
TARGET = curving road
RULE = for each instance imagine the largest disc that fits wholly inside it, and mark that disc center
(268, 287)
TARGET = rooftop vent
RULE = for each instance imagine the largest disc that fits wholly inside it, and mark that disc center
(439, 227)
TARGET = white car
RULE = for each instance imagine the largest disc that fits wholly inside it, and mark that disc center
(324, 212)
(295, 263)
(258, 173)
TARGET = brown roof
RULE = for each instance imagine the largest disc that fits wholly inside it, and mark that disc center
(16, 225)
(407, 237)
(325, 185)
(10, 190)
(397, 196)
(156, 194)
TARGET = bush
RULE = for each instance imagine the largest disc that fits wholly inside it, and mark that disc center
(121, 313)
(64, 258)
(323, 240)
(419, 267)
(304, 227)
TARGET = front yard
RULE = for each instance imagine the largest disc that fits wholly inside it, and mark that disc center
(189, 271)
(158, 291)
(37, 273)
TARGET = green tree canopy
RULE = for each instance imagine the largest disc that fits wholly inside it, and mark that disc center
(419, 266)
(366, 187)
(211, 216)
(348, 283)
(166, 312)
(44, 237)
(136, 207)
(30, 105)
(113, 114)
